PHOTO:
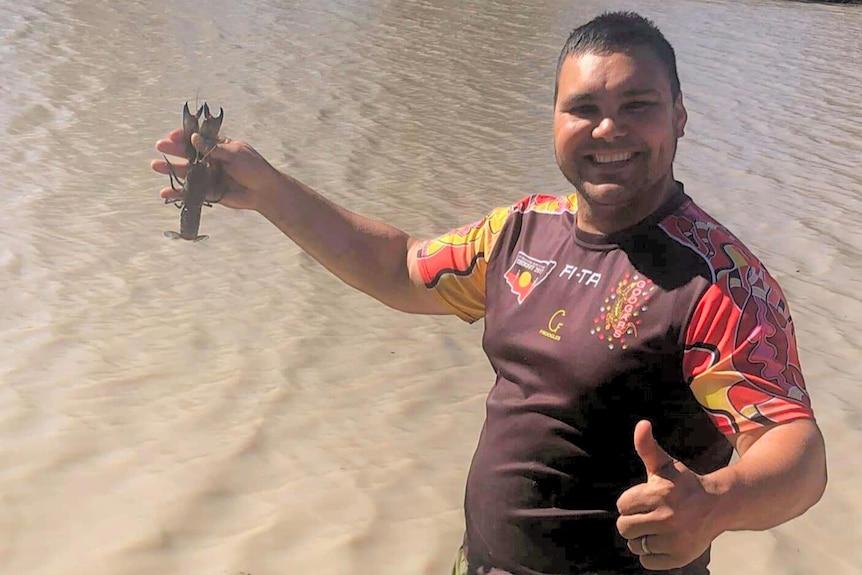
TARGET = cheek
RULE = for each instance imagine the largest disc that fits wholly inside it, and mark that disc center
(558, 130)
(667, 149)
(567, 134)
(660, 142)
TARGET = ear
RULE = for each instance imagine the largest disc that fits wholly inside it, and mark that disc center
(680, 116)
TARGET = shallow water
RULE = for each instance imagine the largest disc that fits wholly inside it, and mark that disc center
(227, 406)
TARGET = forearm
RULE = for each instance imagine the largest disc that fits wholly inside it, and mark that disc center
(777, 478)
(368, 255)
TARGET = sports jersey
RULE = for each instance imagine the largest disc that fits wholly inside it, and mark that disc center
(672, 320)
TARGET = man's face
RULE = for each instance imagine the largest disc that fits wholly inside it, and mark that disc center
(616, 126)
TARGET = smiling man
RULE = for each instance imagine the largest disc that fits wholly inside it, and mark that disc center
(635, 341)
(617, 119)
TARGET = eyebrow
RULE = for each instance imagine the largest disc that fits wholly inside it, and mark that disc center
(585, 97)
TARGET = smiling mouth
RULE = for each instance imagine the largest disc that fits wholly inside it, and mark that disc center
(603, 159)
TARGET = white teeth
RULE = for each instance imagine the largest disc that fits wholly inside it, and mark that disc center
(608, 158)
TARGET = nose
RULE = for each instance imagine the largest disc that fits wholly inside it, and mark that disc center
(608, 129)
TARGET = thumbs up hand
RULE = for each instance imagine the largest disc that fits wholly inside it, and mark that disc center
(666, 520)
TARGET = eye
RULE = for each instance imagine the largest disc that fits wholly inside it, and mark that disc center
(639, 105)
(584, 110)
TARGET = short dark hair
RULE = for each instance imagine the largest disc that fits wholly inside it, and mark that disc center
(616, 32)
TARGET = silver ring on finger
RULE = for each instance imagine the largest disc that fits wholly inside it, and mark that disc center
(644, 546)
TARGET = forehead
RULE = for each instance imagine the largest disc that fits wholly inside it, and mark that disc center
(598, 73)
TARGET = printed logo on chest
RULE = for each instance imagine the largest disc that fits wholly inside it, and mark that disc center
(526, 273)
(554, 325)
(620, 314)
(581, 275)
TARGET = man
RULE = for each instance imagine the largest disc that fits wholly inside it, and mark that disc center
(636, 342)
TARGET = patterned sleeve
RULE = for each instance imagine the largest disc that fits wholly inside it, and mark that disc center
(453, 265)
(741, 357)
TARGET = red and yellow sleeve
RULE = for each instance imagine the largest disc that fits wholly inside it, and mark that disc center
(454, 264)
(741, 358)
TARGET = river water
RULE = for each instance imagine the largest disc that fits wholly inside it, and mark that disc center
(228, 407)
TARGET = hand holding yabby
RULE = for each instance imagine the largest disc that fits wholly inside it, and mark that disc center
(671, 511)
(245, 176)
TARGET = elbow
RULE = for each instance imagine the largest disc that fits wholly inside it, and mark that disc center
(818, 475)
(820, 471)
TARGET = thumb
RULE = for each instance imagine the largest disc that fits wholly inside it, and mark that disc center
(650, 452)
(209, 147)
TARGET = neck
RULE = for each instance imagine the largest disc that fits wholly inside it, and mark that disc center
(605, 220)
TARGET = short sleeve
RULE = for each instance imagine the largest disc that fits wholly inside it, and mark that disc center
(740, 356)
(454, 264)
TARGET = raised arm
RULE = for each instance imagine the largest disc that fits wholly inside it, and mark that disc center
(371, 256)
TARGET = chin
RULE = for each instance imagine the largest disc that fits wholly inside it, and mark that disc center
(607, 194)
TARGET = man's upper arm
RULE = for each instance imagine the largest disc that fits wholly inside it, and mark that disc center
(741, 358)
(799, 431)
(452, 266)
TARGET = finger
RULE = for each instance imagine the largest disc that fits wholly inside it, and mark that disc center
(633, 526)
(636, 546)
(180, 167)
(659, 557)
(169, 194)
(214, 150)
(658, 544)
(638, 499)
(651, 453)
(176, 135)
(203, 145)
(660, 561)
(172, 145)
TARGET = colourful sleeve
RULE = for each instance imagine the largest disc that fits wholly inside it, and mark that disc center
(454, 264)
(741, 357)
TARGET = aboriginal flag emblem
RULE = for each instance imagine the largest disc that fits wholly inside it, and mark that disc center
(526, 273)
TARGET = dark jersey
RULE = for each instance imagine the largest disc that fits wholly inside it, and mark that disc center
(672, 320)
